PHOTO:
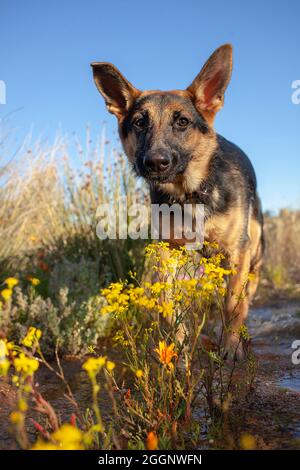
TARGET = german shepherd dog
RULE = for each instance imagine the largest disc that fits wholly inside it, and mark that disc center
(169, 138)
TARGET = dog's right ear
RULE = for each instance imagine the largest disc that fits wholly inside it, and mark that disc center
(209, 86)
(117, 92)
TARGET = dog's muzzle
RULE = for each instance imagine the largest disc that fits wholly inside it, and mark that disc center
(157, 163)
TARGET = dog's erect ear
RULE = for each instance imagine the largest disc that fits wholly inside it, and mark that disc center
(117, 92)
(210, 84)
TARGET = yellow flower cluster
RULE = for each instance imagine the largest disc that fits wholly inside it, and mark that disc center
(67, 437)
(26, 366)
(32, 337)
(119, 297)
(4, 362)
(164, 260)
(9, 354)
(166, 309)
(244, 333)
(10, 283)
(139, 298)
(117, 301)
(93, 365)
(34, 281)
(191, 279)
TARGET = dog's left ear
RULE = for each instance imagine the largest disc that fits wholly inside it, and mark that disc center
(116, 90)
(210, 84)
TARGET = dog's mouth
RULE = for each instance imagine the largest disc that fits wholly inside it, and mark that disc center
(160, 178)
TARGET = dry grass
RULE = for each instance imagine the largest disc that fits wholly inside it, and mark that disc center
(47, 200)
(282, 257)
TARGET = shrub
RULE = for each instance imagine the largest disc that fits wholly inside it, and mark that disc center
(75, 326)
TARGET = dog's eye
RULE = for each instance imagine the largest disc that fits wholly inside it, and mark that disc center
(183, 122)
(139, 123)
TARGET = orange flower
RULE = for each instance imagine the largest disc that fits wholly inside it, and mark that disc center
(152, 441)
(43, 266)
(166, 353)
(127, 395)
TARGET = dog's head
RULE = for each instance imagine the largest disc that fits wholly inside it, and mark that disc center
(168, 136)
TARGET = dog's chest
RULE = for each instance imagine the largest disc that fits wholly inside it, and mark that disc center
(224, 227)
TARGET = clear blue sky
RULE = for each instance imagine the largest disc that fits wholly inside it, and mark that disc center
(46, 48)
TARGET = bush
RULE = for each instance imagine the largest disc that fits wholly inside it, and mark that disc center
(75, 326)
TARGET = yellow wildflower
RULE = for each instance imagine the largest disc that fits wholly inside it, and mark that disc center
(67, 434)
(3, 349)
(67, 437)
(4, 362)
(93, 365)
(120, 338)
(15, 380)
(32, 337)
(157, 288)
(11, 282)
(4, 367)
(6, 294)
(113, 291)
(145, 302)
(110, 366)
(243, 332)
(43, 445)
(117, 299)
(34, 281)
(139, 373)
(213, 245)
(166, 308)
(248, 442)
(22, 405)
(135, 293)
(178, 297)
(16, 417)
(26, 365)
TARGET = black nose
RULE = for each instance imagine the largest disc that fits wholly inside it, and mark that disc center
(157, 162)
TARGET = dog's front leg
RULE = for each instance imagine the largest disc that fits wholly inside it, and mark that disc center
(237, 302)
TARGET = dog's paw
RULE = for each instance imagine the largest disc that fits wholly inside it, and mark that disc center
(233, 348)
